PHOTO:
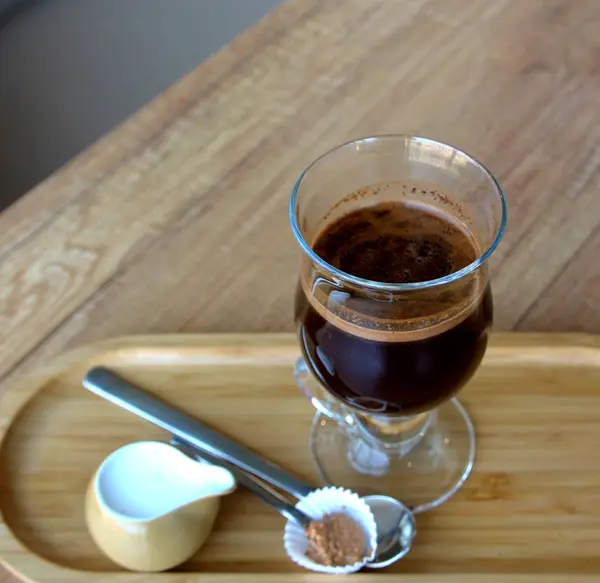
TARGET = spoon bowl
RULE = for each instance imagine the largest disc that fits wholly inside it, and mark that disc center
(396, 529)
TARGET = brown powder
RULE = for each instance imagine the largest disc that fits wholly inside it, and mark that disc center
(335, 541)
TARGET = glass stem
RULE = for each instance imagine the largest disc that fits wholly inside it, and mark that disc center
(395, 432)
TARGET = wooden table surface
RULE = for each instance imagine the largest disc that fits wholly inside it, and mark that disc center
(177, 220)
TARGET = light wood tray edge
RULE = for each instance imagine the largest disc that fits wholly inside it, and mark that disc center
(218, 347)
(573, 348)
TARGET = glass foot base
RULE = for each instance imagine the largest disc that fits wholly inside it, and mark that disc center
(422, 474)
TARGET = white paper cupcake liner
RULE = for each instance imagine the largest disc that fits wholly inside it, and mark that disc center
(330, 501)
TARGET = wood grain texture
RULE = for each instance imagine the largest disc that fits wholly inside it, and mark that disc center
(177, 220)
(529, 512)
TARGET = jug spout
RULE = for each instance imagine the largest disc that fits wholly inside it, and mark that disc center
(144, 481)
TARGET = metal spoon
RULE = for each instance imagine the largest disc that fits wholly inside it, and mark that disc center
(396, 526)
(395, 522)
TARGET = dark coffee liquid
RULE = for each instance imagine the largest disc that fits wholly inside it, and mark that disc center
(397, 372)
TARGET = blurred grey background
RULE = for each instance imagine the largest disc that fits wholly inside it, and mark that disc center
(72, 69)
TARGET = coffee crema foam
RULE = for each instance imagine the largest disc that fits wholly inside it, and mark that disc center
(394, 242)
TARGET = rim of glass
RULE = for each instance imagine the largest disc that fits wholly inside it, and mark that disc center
(397, 287)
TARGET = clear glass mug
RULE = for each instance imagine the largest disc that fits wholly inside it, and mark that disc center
(381, 362)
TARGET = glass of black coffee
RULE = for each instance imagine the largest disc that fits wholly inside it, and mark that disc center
(393, 310)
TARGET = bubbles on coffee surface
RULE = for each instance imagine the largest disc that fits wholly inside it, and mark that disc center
(395, 243)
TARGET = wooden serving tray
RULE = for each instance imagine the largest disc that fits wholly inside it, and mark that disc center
(529, 512)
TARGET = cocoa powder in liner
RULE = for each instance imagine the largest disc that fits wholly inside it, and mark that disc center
(335, 540)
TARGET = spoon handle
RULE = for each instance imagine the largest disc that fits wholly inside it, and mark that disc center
(251, 483)
(118, 391)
